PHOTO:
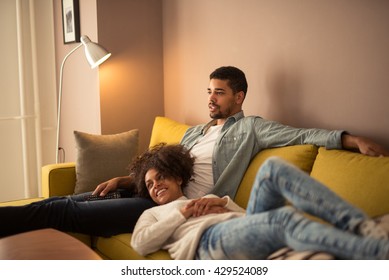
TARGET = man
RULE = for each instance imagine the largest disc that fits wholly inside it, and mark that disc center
(225, 146)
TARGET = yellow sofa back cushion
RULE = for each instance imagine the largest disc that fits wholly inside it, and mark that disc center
(361, 180)
(167, 131)
(302, 156)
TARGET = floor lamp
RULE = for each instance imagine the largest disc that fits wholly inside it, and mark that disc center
(95, 54)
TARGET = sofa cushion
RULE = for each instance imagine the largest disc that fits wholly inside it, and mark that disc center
(359, 179)
(20, 202)
(167, 131)
(287, 253)
(118, 247)
(302, 156)
(102, 157)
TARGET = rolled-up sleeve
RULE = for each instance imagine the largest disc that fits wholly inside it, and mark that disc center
(334, 140)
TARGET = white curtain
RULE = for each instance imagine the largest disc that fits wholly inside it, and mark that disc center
(27, 95)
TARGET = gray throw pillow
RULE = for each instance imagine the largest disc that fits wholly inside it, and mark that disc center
(102, 157)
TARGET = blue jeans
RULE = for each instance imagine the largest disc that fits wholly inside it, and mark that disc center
(74, 214)
(270, 225)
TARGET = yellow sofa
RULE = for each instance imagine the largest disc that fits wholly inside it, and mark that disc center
(361, 180)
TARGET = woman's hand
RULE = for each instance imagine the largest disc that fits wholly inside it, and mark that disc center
(112, 185)
(204, 206)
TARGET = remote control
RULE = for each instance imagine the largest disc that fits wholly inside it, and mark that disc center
(111, 195)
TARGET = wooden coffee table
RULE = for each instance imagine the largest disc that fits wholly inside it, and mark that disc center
(45, 244)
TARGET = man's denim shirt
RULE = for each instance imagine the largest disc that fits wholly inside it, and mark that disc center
(243, 137)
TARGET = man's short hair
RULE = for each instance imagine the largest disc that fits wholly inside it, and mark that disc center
(236, 78)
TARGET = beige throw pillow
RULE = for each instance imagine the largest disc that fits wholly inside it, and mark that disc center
(102, 157)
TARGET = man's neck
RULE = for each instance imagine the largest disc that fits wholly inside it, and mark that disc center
(220, 121)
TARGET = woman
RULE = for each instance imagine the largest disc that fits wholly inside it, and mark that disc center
(187, 230)
(93, 214)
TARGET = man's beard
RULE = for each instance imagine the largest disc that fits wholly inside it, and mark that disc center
(219, 114)
(216, 116)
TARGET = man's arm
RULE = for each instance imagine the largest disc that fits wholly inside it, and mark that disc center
(274, 134)
(364, 145)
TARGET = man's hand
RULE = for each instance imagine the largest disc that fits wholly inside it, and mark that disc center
(364, 145)
(204, 206)
(112, 185)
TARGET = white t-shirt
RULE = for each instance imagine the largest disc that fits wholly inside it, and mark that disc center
(203, 177)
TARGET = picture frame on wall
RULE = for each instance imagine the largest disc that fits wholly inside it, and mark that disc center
(71, 21)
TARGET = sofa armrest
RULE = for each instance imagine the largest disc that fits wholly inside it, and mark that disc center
(58, 179)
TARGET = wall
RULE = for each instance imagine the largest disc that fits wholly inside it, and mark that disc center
(131, 82)
(126, 92)
(81, 98)
(309, 63)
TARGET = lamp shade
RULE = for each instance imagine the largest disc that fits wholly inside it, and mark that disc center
(95, 54)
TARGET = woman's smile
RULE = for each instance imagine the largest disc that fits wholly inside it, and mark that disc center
(161, 192)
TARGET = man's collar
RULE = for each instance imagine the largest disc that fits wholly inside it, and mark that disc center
(207, 126)
(237, 116)
(233, 119)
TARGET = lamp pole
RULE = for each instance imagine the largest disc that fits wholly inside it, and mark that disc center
(60, 99)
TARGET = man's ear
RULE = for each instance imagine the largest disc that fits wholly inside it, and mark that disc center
(239, 97)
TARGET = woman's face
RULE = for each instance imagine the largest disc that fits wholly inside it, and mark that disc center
(162, 190)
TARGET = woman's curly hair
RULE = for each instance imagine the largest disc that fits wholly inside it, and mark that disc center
(171, 161)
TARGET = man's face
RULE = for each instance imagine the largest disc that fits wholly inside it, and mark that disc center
(222, 102)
